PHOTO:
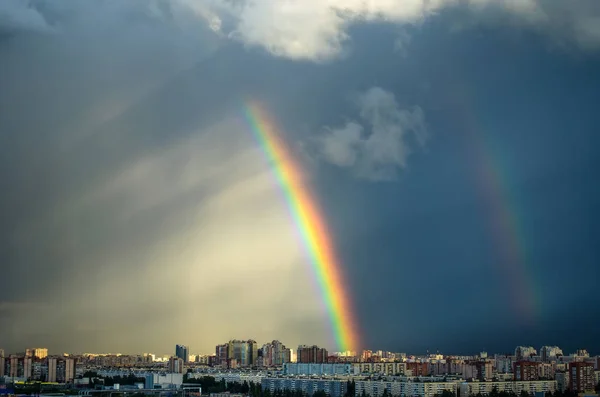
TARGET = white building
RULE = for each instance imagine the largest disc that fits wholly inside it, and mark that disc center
(525, 352)
(379, 368)
(549, 353)
(404, 389)
(473, 388)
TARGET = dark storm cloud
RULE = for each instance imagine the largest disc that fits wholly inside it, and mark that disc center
(136, 198)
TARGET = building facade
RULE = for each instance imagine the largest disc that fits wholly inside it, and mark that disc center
(581, 377)
(183, 352)
(311, 354)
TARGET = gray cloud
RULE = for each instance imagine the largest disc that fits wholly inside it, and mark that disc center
(379, 150)
(136, 199)
(318, 30)
(21, 16)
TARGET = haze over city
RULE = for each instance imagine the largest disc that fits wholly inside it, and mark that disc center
(407, 176)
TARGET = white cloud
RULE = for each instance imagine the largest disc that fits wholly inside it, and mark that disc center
(318, 29)
(380, 146)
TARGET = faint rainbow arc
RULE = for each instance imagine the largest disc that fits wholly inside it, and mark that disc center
(310, 224)
(502, 212)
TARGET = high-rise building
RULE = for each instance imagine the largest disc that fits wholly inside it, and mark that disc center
(244, 352)
(52, 361)
(14, 366)
(2, 365)
(69, 370)
(526, 370)
(221, 354)
(27, 361)
(1, 353)
(524, 352)
(40, 352)
(581, 376)
(550, 352)
(311, 354)
(183, 352)
(275, 354)
(176, 365)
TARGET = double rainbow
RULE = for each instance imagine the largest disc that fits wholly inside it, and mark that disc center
(310, 223)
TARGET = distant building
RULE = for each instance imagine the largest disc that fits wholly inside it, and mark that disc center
(485, 388)
(418, 369)
(69, 370)
(317, 369)
(244, 352)
(183, 352)
(311, 354)
(221, 355)
(176, 365)
(308, 386)
(377, 388)
(38, 352)
(275, 354)
(522, 352)
(581, 377)
(51, 377)
(526, 370)
(549, 353)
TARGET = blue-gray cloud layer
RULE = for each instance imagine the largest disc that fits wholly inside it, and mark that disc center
(135, 196)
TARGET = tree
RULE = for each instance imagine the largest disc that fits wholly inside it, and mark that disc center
(448, 393)
(245, 387)
(494, 392)
(524, 393)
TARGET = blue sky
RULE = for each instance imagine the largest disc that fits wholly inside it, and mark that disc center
(136, 196)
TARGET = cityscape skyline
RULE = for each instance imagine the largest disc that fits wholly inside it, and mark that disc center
(243, 367)
(181, 351)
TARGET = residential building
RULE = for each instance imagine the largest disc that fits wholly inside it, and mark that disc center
(38, 352)
(176, 365)
(581, 376)
(27, 366)
(418, 369)
(317, 369)
(485, 388)
(549, 353)
(275, 354)
(182, 352)
(380, 368)
(526, 371)
(52, 364)
(402, 388)
(221, 354)
(333, 387)
(244, 352)
(524, 352)
(311, 354)
(69, 370)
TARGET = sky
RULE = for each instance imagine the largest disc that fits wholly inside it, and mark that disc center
(452, 146)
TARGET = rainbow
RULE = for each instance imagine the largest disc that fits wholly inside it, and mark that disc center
(503, 213)
(310, 223)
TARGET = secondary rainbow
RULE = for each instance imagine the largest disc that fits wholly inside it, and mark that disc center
(505, 222)
(310, 223)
